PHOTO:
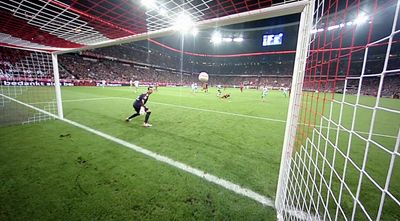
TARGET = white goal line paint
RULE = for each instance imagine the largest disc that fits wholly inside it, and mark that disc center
(206, 176)
(222, 112)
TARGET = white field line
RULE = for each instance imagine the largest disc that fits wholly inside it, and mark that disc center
(221, 112)
(206, 176)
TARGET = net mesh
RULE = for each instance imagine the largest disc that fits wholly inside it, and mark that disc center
(345, 160)
(28, 77)
(65, 24)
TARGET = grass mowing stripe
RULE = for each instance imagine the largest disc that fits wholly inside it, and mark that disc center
(65, 101)
(209, 177)
(222, 112)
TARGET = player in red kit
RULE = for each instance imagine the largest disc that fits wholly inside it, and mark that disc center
(205, 87)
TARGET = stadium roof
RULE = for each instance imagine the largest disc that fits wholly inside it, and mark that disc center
(71, 25)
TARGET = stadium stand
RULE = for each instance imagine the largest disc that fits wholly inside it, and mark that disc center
(122, 64)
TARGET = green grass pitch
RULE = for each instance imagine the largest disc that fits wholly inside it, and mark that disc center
(52, 170)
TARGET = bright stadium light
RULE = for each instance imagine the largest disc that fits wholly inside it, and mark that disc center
(239, 39)
(183, 23)
(227, 39)
(149, 4)
(333, 27)
(216, 37)
(361, 18)
(317, 30)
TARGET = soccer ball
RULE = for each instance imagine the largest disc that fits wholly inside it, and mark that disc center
(203, 77)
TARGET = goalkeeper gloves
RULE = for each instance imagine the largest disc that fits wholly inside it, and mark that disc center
(142, 111)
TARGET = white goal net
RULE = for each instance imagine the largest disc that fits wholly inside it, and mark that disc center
(26, 76)
(341, 152)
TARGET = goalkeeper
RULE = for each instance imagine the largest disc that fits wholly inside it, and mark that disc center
(141, 109)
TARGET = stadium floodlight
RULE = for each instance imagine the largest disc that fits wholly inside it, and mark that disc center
(183, 23)
(317, 30)
(349, 23)
(239, 39)
(333, 27)
(216, 37)
(227, 39)
(361, 18)
(149, 4)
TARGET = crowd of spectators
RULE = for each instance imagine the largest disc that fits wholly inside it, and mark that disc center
(89, 68)
(140, 64)
(93, 66)
(21, 64)
(244, 65)
(370, 86)
(110, 70)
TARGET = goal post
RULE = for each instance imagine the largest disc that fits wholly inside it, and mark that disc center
(302, 47)
(57, 85)
(340, 157)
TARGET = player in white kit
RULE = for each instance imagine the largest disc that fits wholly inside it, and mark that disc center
(264, 93)
(219, 90)
(194, 88)
(286, 91)
(136, 85)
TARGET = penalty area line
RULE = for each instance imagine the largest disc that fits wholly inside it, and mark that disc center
(184, 107)
(213, 111)
(179, 165)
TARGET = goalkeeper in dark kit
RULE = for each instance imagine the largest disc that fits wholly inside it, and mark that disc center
(140, 108)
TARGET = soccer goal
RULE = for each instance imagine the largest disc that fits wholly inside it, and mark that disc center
(340, 159)
(30, 87)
